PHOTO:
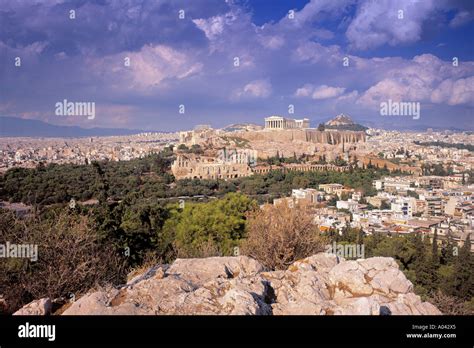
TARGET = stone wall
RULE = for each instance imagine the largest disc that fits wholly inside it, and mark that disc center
(307, 135)
(196, 167)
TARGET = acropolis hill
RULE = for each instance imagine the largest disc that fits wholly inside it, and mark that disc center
(278, 128)
(282, 137)
(332, 137)
(288, 137)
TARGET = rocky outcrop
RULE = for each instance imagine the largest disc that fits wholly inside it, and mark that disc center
(37, 307)
(288, 142)
(332, 137)
(340, 120)
(322, 284)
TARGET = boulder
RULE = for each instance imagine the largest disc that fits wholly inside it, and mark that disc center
(322, 262)
(348, 279)
(357, 306)
(199, 271)
(38, 307)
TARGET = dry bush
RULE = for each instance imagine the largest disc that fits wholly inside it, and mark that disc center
(279, 235)
(203, 249)
(71, 259)
(450, 305)
(150, 260)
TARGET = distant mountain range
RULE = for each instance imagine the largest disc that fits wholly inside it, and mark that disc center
(18, 127)
(414, 127)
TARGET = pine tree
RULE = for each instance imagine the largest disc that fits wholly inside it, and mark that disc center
(434, 262)
(463, 282)
(448, 251)
(434, 250)
(421, 265)
(360, 236)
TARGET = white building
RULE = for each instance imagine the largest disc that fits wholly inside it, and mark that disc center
(350, 205)
(404, 206)
(309, 195)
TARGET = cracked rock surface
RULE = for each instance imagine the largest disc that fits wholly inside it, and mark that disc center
(322, 284)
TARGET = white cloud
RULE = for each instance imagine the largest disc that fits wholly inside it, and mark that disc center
(320, 92)
(325, 92)
(455, 92)
(315, 52)
(272, 42)
(153, 64)
(377, 22)
(149, 67)
(348, 97)
(461, 18)
(214, 26)
(304, 91)
(425, 78)
(314, 9)
(254, 89)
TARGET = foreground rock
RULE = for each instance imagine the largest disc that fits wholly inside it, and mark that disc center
(321, 284)
(38, 307)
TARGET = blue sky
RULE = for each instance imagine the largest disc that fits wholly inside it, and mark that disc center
(283, 60)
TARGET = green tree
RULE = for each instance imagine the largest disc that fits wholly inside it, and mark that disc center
(216, 227)
(463, 282)
(421, 264)
(447, 251)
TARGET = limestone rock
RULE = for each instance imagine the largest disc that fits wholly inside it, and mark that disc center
(199, 271)
(318, 262)
(38, 307)
(357, 306)
(322, 284)
(348, 278)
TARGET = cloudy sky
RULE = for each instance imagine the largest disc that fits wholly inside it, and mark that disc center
(237, 61)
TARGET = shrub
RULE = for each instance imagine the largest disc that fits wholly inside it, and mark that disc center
(279, 235)
(71, 260)
(209, 229)
(450, 305)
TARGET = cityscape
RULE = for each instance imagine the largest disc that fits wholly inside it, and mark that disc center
(237, 158)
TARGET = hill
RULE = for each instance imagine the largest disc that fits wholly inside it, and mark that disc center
(344, 122)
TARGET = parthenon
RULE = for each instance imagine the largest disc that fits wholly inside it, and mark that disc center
(278, 122)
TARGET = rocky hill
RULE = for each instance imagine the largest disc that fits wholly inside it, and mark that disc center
(322, 284)
(344, 122)
(242, 127)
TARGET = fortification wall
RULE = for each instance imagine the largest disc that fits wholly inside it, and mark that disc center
(308, 135)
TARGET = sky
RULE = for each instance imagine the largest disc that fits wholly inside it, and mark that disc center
(168, 65)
